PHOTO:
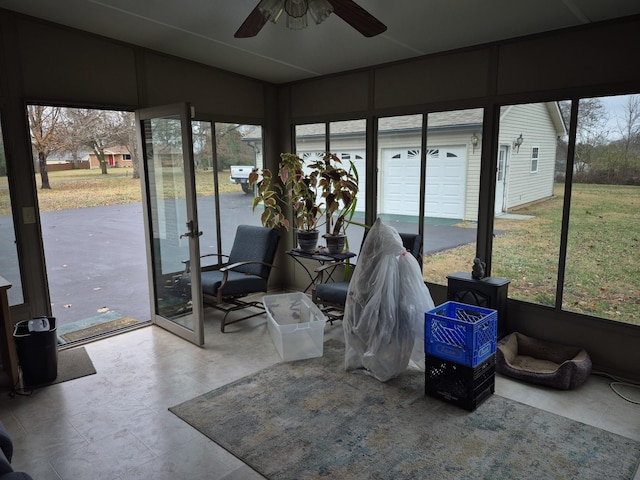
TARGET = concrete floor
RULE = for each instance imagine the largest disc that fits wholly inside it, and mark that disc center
(115, 425)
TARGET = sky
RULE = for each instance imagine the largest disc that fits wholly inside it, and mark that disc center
(616, 106)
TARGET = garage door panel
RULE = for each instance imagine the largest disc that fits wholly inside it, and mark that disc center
(446, 168)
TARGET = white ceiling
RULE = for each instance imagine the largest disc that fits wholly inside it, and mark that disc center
(202, 30)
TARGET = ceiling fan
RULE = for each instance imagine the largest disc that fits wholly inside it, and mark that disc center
(296, 11)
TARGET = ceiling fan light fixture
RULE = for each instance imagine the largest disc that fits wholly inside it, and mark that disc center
(296, 13)
(320, 10)
(271, 9)
(296, 8)
(296, 23)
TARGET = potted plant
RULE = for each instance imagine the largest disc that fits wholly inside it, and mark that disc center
(339, 187)
(270, 193)
(300, 191)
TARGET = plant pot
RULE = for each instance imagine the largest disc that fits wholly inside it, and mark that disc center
(335, 243)
(307, 240)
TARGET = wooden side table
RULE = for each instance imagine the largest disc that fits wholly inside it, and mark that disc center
(7, 345)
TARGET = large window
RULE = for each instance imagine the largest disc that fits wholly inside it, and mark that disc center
(597, 275)
(224, 198)
(565, 231)
(529, 200)
(347, 140)
(601, 275)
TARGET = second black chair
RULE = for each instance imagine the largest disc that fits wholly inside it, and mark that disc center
(331, 297)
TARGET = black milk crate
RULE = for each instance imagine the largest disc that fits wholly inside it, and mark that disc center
(464, 386)
(465, 334)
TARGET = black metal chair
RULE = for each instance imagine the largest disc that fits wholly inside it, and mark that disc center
(332, 296)
(245, 272)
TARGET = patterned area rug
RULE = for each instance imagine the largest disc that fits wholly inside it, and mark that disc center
(310, 419)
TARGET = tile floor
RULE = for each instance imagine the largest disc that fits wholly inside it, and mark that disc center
(115, 425)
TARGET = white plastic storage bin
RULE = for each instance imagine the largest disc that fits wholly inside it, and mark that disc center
(296, 325)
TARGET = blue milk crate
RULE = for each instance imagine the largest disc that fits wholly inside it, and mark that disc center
(465, 334)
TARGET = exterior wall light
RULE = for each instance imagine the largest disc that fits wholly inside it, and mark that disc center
(474, 141)
(517, 142)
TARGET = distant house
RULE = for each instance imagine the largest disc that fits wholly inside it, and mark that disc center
(526, 158)
(116, 157)
(65, 161)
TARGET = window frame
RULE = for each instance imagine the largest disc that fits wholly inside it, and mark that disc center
(534, 160)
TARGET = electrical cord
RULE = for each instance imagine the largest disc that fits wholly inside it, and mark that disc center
(19, 391)
(613, 387)
(618, 382)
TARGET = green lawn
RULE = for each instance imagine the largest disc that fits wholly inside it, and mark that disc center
(601, 275)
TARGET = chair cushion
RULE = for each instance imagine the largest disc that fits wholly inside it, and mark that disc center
(238, 283)
(333, 292)
(543, 363)
(254, 244)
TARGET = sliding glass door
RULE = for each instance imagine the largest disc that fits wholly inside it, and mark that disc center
(171, 225)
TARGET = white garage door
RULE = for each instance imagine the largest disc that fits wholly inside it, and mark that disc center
(444, 186)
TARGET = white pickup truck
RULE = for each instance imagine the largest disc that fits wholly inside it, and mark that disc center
(240, 175)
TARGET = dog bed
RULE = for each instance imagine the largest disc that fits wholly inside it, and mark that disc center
(543, 363)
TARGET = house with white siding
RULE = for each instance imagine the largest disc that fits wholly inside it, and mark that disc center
(525, 169)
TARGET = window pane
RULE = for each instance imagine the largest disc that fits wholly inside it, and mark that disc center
(454, 140)
(601, 276)
(399, 159)
(348, 141)
(237, 145)
(452, 179)
(205, 191)
(311, 145)
(529, 201)
(9, 266)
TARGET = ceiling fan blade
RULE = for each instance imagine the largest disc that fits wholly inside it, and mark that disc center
(358, 17)
(252, 25)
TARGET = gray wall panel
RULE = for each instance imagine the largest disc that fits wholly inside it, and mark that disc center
(60, 64)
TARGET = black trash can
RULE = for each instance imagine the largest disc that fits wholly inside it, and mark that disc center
(37, 348)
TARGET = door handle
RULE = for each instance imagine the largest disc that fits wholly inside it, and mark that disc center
(190, 231)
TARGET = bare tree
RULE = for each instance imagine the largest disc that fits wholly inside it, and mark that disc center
(130, 140)
(230, 148)
(44, 124)
(591, 134)
(626, 151)
(98, 130)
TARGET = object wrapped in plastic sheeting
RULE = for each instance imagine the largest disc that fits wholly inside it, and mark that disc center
(386, 304)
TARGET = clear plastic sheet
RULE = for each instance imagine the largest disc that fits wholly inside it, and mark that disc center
(386, 304)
